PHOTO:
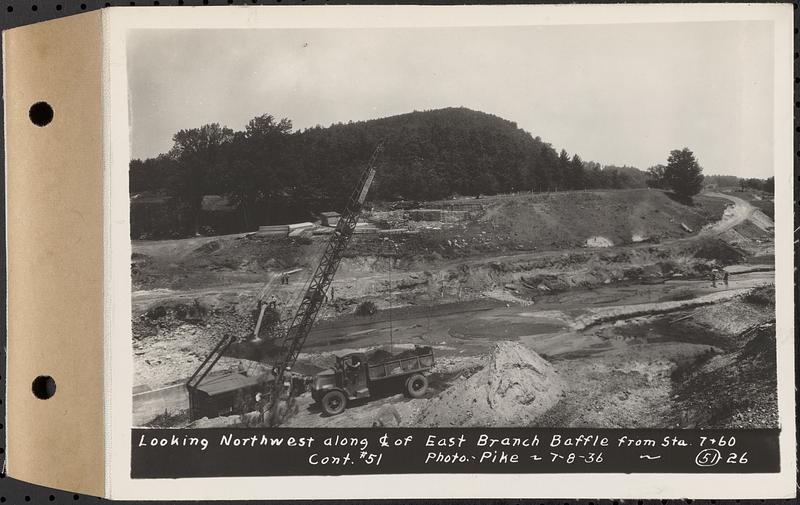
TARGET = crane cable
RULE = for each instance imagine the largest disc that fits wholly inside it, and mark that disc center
(391, 268)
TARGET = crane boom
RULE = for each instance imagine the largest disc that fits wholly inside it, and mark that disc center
(321, 280)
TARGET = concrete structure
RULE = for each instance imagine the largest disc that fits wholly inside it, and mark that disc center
(301, 229)
(329, 218)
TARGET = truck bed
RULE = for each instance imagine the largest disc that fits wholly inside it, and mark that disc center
(402, 366)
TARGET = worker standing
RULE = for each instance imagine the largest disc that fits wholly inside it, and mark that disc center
(714, 278)
(260, 404)
(725, 278)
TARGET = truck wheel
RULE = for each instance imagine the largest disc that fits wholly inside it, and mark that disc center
(334, 402)
(416, 385)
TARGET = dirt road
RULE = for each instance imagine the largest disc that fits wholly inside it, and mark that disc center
(735, 214)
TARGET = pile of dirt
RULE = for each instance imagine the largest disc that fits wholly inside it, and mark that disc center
(718, 251)
(514, 388)
(167, 316)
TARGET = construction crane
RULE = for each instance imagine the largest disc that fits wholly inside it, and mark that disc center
(212, 395)
(315, 294)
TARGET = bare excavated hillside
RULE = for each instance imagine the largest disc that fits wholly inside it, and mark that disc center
(528, 222)
(598, 218)
(203, 262)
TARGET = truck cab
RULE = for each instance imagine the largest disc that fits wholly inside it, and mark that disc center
(348, 374)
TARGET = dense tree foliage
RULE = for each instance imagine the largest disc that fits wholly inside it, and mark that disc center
(767, 185)
(656, 177)
(272, 173)
(724, 181)
(682, 174)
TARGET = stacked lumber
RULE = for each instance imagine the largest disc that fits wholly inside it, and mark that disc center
(277, 230)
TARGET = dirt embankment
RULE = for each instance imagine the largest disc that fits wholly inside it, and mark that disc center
(736, 388)
(712, 366)
(526, 279)
(604, 217)
(553, 221)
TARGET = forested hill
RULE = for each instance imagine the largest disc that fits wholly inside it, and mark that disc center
(428, 155)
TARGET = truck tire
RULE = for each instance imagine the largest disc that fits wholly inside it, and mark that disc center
(416, 385)
(334, 402)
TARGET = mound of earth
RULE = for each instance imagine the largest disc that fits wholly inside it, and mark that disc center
(569, 219)
(514, 388)
(719, 251)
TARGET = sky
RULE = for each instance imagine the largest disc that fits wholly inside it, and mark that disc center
(614, 94)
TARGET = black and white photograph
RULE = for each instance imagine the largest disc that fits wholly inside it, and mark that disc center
(370, 252)
(556, 226)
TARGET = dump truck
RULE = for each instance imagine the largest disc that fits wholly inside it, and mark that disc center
(355, 376)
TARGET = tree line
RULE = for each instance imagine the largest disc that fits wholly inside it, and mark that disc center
(767, 185)
(272, 173)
